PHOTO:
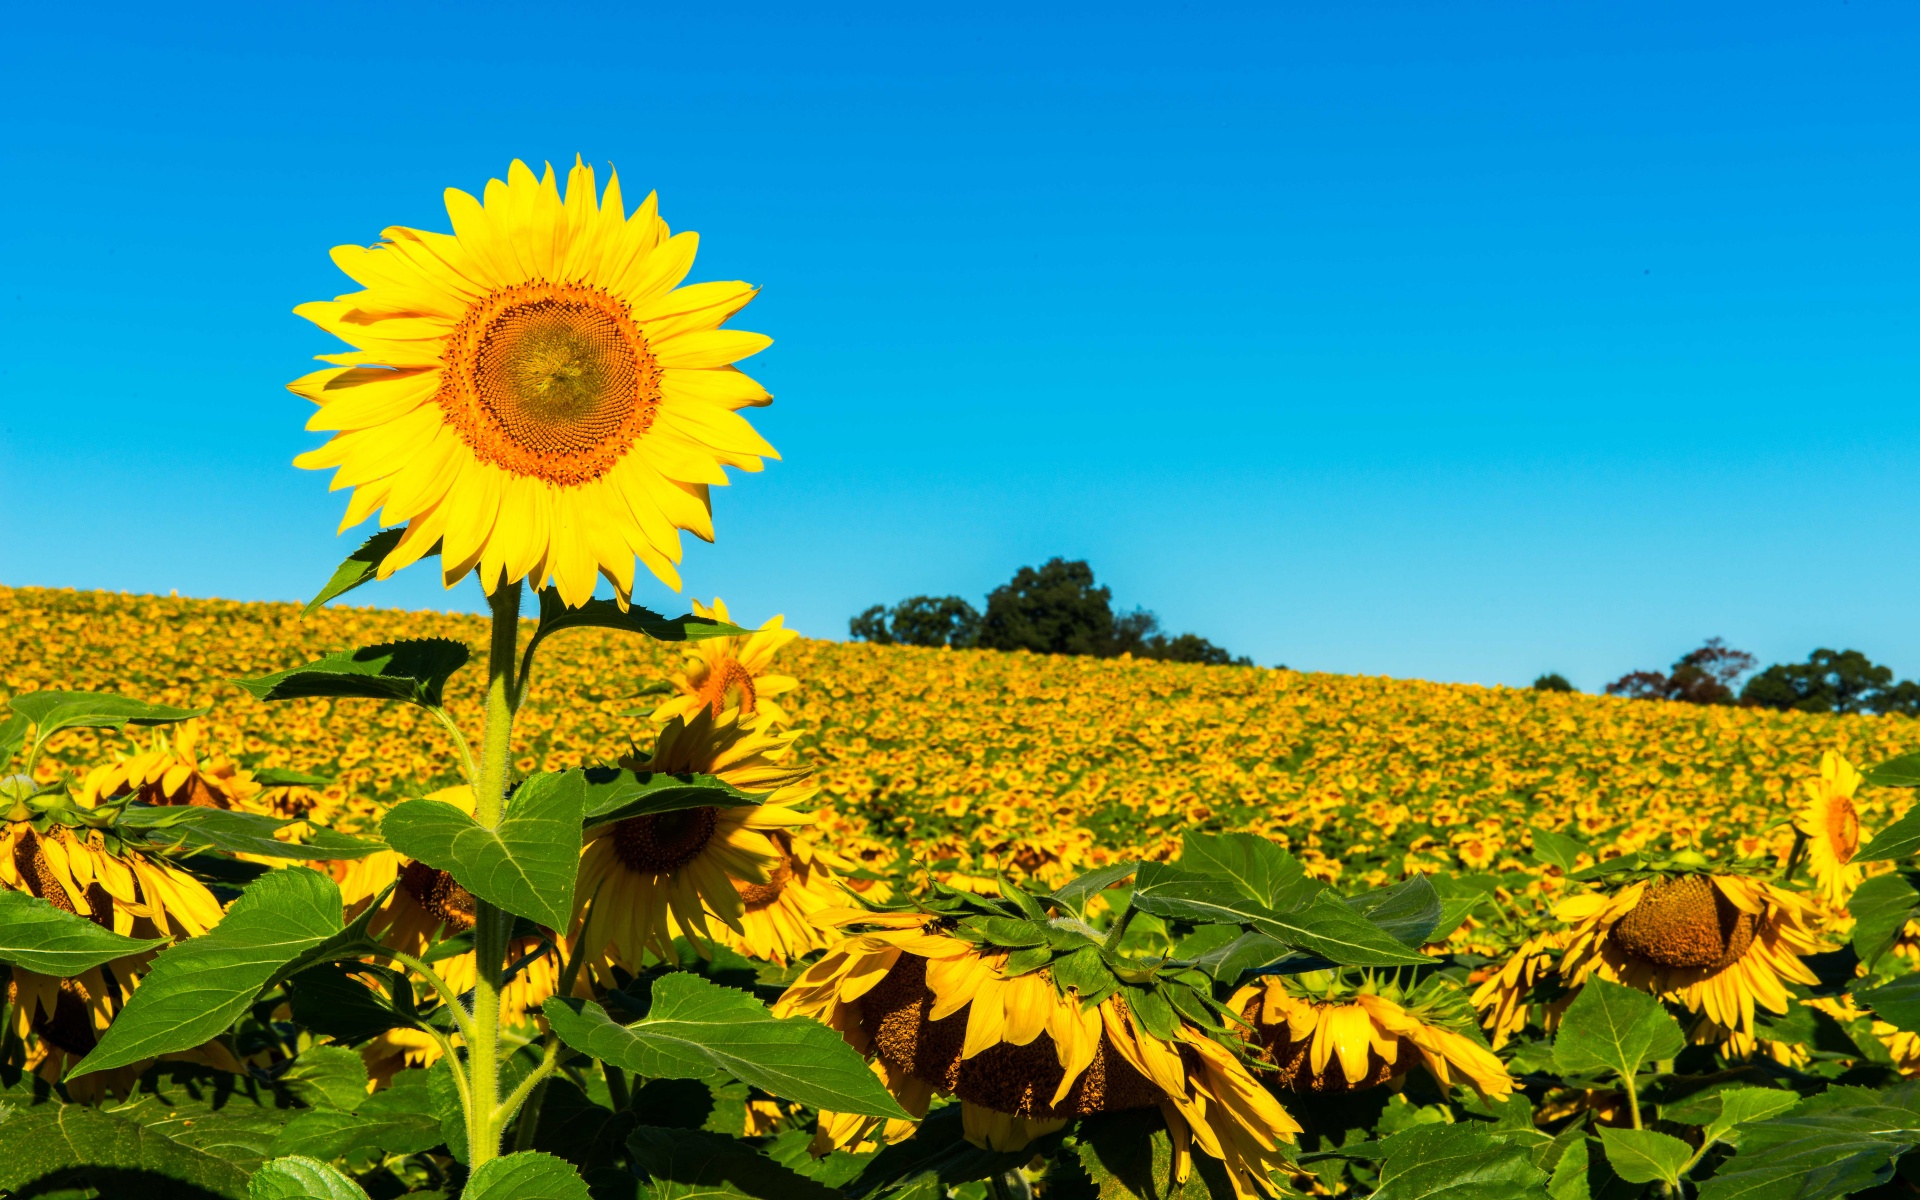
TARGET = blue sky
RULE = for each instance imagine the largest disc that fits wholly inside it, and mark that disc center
(1455, 341)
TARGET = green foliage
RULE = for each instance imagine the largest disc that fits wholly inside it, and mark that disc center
(679, 1164)
(1129, 1156)
(919, 621)
(360, 567)
(1898, 840)
(693, 1029)
(297, 1177)
(1702, 676)
(106, 1154)
(1645, 1155)
(528, 1176)
(1844, 681)
(616, 793)
(193, 828)
(1842, 1141)
(196, 988)
(606, 614)
(526, 865)
(39, 937)
(1613, 1028)
(1552, 681)
(415, 671)
(51, 712)
(1456, 1162)
(1325, 926)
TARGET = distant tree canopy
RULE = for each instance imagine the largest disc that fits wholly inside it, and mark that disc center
(1055, 608)
(1553, 681)
(1838, 681)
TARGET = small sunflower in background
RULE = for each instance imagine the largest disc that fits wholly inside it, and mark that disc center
(939, 1014)
(731, 672)
(777, 917)
(645, 878)
(534, 394)
(1719, 944)
(1831, 826)
(1321, 1033)
(170, 771)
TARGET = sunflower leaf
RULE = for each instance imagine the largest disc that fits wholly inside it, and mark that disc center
(684, 1164)
(1614, 1028)
(297, 1177)
(41, 938)
(605, 614)
(1456, 1162)
(1557, 850)
(1326, 927)
(1897, 840)
(529, 1175)
(1645, 1155)
(1409, 911)
(359, 567)
(699, 1030)
(1896, 1003)
(52, 711)
(1262, 871)
(1881, 908)
(196, 988)
(85, 1147)
(416, 671)
(237, 832)
(1075, 893)
(526, 865)
(616, 793)
(278, 777)
(330, 1002)
(1895, 772)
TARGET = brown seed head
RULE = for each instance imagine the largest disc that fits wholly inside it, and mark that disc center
(1685, 922)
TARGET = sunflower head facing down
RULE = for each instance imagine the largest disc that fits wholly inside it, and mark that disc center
(1719, 944)
(731, 672)
(170, 771)
(1831, 826)
(645, 878)
(1321, 1038)
(534, 394)
(1009, 1032)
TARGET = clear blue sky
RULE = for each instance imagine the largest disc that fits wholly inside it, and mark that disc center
(1459, 341)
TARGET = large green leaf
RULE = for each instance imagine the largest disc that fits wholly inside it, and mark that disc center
(1895, 772)
(330, 1001)
(1075, 893)
(106, 1151)
(1897, 840)
(698, 1030)
(527, 1176)
(52, 711)
(1326, 927)
(1897, 1003)
(39, 937)
(1456, 1162)
(398, 1119)
(1743, 1105)
(1261, 870)
(1614, 1028)
(13, 735)
(682, 1164)
(237, 832)
(1129, 1156)
(605, 614)
(1409, 910)
(1835, 1152)
(328, 1077)
(414, 671)
(1881, 908)
(1645, 1155)
(359, 568)
(615, 793)
(526, 866)
(196, 988)
(297, 1177)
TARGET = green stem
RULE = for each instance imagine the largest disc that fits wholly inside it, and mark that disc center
(1793, 855)
(1119, 929)
(530, 1118)
(535, 1079)
(1633, 1100)
(617, 1087)
(492, 926)
(468, 767)
(440, 986)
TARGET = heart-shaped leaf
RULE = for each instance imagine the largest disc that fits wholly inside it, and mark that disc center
(297, 1177)
(1614, 1028)
(1644, 1155)
(415, 671)
(41, 938)
(527, 1176)
(525, 866)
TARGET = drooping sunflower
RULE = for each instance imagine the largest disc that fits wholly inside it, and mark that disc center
(645, 878)
(1832, 829)
(1345, 1039)
(1718, 944)
(776, 918)
(938, 1014)
(535, 394)
(731, 672)
(1506, 994)
(170, 771)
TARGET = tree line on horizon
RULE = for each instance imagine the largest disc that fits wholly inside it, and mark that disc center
(1055, 608)
(1830, 681)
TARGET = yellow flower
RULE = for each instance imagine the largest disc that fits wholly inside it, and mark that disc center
(940, 1015)
(731, 672)
(1369, 1039)
(776, 918)
(128, 891)
(169, 771)
(1832, 829)
(644, 878)
(534, 393)
(1718, 944)
(1504, 995)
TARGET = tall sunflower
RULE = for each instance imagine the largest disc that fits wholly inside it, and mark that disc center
(1718, 944)
(731, 672)
(534, 394)
(942, 1015)
(1832, 829)
(1347, 1039)
(645, 878)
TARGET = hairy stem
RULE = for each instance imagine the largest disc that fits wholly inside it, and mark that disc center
(1119, 929)
(1633, 1100)
(491, 926)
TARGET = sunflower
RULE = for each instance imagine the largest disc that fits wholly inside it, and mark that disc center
(776, 918)
(534, 394)
(123, 890)
(1365, 1037)
(1505, 994)
(644, 878)
(940, 1015)
(731, 672)
(1718, 944)
(1832, 829)
(170, 771)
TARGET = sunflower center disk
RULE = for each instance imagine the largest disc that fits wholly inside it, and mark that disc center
(1843, 830)
(1685, 922)
(550, 380)
(714, 693)
(659, 843)
(756, 896)
(437, 893)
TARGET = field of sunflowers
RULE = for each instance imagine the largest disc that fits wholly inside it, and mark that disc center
(1583, 946)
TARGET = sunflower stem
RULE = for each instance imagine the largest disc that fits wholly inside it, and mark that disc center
(1793, 856)
(491, 925)
(1119, 929)
(1633, 1100)
(617, 1087)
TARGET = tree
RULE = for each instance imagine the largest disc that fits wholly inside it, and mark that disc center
(1552, 681)
(1703, 676)
(1840, 681)
(871, 626)
(919, 621)
(1055, 609)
